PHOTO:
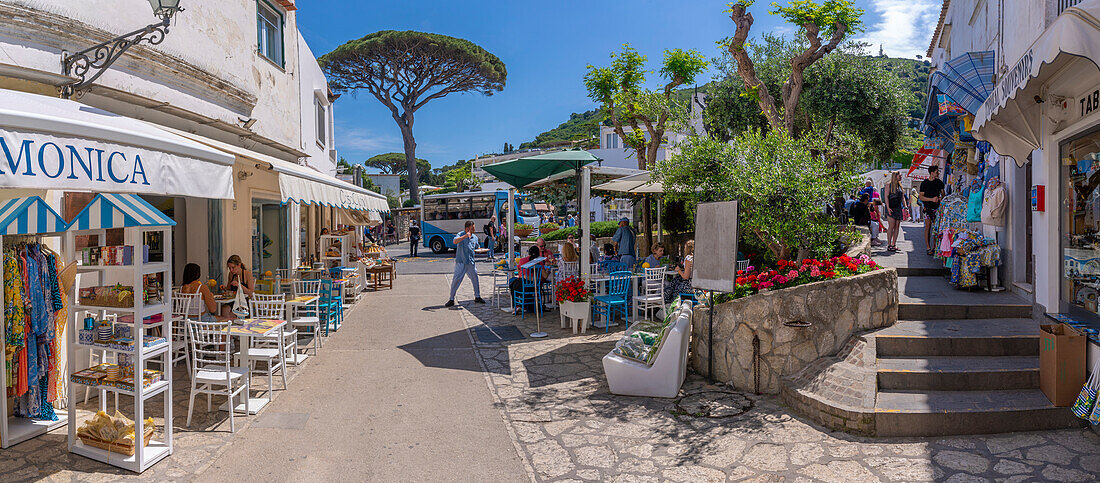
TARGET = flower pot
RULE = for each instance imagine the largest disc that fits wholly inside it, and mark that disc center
(524, 233)
(547, 230)
(576, 314)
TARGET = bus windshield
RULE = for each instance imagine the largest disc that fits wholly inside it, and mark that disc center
(527, 209)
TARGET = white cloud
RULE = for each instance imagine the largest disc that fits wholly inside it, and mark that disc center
(904, 27)
(362, 139)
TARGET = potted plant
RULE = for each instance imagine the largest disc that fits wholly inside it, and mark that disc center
(523, 230)
(548, 227)
(575, 301)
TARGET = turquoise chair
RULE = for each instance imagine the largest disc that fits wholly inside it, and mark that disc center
(330, 306)
(529, 292)
(617, 299)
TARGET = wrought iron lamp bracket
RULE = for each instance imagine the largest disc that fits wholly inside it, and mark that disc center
(88, 64)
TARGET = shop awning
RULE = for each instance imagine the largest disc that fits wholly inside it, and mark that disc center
(968, 79)
(303, 184)
(50, 143)
(30, 215)
(110, 210)
(1010, 118)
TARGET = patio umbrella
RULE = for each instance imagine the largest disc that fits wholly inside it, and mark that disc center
(524, 171)
(637, 183)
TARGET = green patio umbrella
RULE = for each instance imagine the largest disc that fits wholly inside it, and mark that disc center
(524, 171)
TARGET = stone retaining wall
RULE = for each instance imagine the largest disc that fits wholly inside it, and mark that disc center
(836, 309)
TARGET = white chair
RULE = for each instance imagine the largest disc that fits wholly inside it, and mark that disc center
(308, 316)
(212, 372)
(500, 287)
(274, 307)
(182, 304)
(274, 358)
(742, 265)
(568, 269)
(284, 278)
(652, 297)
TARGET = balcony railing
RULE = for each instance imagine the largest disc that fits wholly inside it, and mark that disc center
(1064, 4)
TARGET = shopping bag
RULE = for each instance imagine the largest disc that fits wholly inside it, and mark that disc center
(1086, 400)
(240, 306)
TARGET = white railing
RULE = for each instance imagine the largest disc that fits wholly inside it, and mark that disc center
(1064, 4)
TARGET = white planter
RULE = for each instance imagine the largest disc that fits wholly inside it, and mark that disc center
(575, 314)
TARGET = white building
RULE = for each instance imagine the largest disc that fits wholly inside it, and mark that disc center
(234, 76)
(1043, 116)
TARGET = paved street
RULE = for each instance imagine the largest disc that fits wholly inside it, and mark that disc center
(410, 391)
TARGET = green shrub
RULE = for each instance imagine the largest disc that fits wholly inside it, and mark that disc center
(605, 228)
(549, 226)
(602, 229)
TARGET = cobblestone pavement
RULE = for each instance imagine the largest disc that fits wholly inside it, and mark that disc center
(553, 395)
(47, 457)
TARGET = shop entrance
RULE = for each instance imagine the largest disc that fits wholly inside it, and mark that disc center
(269, 236)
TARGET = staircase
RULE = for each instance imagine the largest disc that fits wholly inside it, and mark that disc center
(955, 363)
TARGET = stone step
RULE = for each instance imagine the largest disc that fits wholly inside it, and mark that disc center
(943, 413)
(932, 311)
(968, 373)
(973, 337)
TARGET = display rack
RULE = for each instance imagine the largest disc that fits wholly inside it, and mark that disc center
(141, 222)
(341, 244)
(30, 219)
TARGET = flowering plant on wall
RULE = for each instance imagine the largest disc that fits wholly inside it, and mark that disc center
(573, 289)
(790, 273)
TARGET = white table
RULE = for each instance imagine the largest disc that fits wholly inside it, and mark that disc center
(293, 305)
(245, 330)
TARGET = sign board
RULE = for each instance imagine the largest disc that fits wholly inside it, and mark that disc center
(715, 255)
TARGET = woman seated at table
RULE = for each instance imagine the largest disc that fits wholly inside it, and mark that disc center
(516, 284)
(239, 278)
(681, 282)
(654, 258)
(608, 254)
(192, 284)
(569, 255)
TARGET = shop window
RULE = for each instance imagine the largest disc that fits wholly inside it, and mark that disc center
(322, 123)
(1080, 222)
(269, 32)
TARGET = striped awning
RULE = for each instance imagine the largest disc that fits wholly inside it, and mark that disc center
(111, 210)
(29, 216)
(968, 79)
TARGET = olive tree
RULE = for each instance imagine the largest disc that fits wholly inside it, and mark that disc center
(619, 90)
(406, 69)
(834, 19)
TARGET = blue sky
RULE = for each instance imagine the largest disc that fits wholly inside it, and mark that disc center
(546, 46)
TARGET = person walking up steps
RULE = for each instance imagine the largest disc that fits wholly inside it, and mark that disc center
(465, 244)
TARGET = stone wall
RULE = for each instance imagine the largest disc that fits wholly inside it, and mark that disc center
(836, 309)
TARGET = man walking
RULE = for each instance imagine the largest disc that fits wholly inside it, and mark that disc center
(624, 242)
(465, 244)
(931, 191)
(491, 236)
(414, 237)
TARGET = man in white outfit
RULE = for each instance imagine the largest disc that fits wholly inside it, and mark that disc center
(465, 244)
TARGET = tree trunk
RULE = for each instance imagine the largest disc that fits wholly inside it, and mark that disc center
(410, 159)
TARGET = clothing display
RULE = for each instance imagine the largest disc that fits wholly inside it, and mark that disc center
(970, 252)
(994, 206)
(35, 311)
(974, 205)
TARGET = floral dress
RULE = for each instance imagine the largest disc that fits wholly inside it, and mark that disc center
(678, 285)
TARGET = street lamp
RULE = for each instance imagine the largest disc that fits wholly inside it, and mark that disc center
(88, 64)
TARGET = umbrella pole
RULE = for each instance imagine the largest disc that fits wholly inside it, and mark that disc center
(512, 210)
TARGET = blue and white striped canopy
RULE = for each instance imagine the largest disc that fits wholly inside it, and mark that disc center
(29, 216)
(968, 79)
(111, 210)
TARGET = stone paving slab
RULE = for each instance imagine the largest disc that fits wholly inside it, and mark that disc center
(553, 395)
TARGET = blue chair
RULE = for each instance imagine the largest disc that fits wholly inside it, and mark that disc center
(529, 291)
(330, 305)
(617, 299)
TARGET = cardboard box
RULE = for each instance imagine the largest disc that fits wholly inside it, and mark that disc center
(1061, 363)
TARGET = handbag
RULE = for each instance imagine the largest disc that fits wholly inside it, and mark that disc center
(240, 306)
(1086, 400)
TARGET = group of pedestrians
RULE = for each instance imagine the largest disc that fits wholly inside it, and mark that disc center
(885, 209)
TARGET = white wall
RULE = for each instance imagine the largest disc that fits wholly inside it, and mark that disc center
(205, 76)
(314, 88)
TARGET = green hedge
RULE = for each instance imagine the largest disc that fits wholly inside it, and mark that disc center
(600, 228)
